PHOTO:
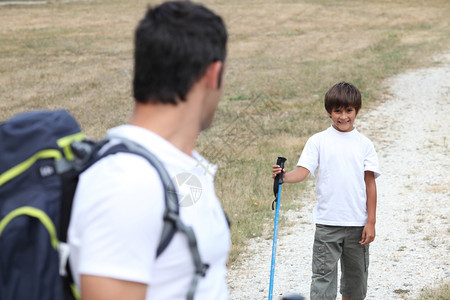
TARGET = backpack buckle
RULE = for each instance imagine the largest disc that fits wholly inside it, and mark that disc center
(64, 251)
(202, 271)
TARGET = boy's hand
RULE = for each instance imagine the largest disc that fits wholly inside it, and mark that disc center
(276, 170)
(368, 235)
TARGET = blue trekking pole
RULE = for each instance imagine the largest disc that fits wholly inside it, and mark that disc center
(278, 181)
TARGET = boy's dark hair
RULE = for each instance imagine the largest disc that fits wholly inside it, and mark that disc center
(343, 94)
(174, 44)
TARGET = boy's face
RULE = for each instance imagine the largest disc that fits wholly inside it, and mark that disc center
(343, 118)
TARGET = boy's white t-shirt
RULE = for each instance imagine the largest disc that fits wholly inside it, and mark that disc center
(340, 159)
(117, 218)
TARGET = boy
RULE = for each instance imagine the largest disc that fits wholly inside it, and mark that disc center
(345, 212)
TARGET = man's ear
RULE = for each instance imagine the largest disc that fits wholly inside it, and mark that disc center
(214, 74)
(219, 78)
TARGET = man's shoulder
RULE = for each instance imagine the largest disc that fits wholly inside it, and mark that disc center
(119, 180)
(121, 162)
(119, 169)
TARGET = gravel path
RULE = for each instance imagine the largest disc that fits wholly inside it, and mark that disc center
(411, 251)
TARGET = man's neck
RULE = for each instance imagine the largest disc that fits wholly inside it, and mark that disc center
(175, 123)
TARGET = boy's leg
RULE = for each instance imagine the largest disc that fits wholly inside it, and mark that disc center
(327, 250)
(354, 265)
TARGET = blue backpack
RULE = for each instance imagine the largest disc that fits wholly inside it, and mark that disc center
(42, 154)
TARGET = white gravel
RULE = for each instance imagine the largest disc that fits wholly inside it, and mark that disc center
(411, 251)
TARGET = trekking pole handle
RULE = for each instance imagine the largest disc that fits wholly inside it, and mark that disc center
(280, 162)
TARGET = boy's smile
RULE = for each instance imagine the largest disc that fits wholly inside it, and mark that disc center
(343, 118)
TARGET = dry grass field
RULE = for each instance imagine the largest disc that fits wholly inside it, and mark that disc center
(283, 56)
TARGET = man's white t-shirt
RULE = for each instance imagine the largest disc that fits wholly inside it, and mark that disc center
(117, 220)
(340, 158)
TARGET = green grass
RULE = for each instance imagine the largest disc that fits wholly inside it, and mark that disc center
(441, 292)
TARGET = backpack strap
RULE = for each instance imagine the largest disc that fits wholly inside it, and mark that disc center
(171, 217)
(85, 155)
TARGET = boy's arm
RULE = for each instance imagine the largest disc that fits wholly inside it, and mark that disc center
(368, 234)
(293, 176)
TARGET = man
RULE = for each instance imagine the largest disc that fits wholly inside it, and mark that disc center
(117, 218)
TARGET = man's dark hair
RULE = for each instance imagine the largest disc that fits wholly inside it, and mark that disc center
(342, 94)
(175, 42)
